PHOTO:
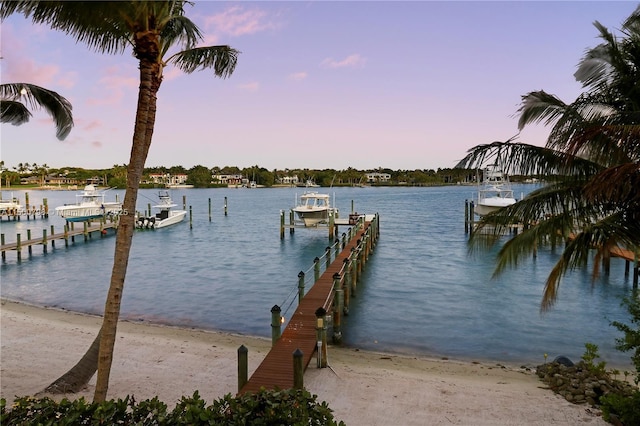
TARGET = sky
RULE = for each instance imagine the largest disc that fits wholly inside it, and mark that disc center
(318, 84)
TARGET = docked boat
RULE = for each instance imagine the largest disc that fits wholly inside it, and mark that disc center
(494, 192)
(90, 205)
(309, 183)
(164, 217)
(10, 206)
(314, 208)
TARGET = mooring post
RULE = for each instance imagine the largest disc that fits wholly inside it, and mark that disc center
(321, 331)
(190, 217)
(53, 240)
(300, 286)
(298, 370)
(276, 324)
(28, 238)
(243, 366)
(281, 224)
(184, 202)
(292, 222)
(225, 206)
(66, 235)
(19, 246)
(85, 231)
(4, 255)
(209, 209)
(466, 216)
(338, 304)
(149, 209)
(26, 202)
(46, 208)
(44, 240)
(332, 225)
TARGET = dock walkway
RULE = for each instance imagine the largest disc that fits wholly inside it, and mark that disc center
(277, 370)
(86, 230)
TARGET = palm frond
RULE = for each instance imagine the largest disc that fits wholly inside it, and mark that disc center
(13, 112)
(222, 59)
(35, 97)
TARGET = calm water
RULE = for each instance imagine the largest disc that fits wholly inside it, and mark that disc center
(421, 291)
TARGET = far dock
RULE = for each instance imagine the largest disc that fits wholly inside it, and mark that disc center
(86, 230)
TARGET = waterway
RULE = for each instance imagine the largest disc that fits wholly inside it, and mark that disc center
(422, 292)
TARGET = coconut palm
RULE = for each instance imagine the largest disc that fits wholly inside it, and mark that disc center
(16, 100)
(591, 161)
(150, 28)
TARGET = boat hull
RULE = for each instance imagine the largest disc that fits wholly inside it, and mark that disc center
(490, 205)
(83, 213)
(312, 217)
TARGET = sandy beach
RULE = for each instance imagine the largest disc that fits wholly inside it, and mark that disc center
(362, 387)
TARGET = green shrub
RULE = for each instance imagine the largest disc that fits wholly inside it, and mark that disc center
(625, 408)
(276, 407)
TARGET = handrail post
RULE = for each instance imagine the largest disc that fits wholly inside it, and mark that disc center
(276, 324)
(346, 286)
(300, 286)
(327, 252)
(243, 366)
(344, 240)
(316, 269)
(337, 308)
(321, 333)
(298, 370)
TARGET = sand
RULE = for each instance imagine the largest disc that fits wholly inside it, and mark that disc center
(362, 387)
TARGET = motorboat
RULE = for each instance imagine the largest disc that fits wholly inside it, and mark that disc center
(309, 183)
(10, 206)
(494, 191)
(90, 205)
(164, 217)
(314, 208)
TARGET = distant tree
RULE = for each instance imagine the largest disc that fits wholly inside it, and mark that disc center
(17, 98)
(199, 176)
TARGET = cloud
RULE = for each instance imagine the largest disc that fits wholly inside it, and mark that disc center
(92, 125)
(250, 87)
(239, 21)
(96, 144)
(114, 84)
(298, 76)
(351, 61)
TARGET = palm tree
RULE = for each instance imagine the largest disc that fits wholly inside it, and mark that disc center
(151, 28)
(13, 110)
(591, 159)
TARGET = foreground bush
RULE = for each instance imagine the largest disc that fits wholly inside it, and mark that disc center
(279, 407)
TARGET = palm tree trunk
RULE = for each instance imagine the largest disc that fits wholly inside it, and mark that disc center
(126, 226)
(79, 375)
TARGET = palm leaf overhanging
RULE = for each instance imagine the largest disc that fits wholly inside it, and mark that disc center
(591, 164)
(18, 99)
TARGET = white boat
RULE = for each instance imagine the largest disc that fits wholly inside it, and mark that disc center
(166, 215)
(494, 192)
(314, 208)
(10, 206)
(309, 183)
(90, 205)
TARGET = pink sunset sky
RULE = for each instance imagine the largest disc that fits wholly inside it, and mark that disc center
(400, 85)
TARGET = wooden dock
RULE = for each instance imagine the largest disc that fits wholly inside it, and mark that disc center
(84, 229)
(329, 294)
